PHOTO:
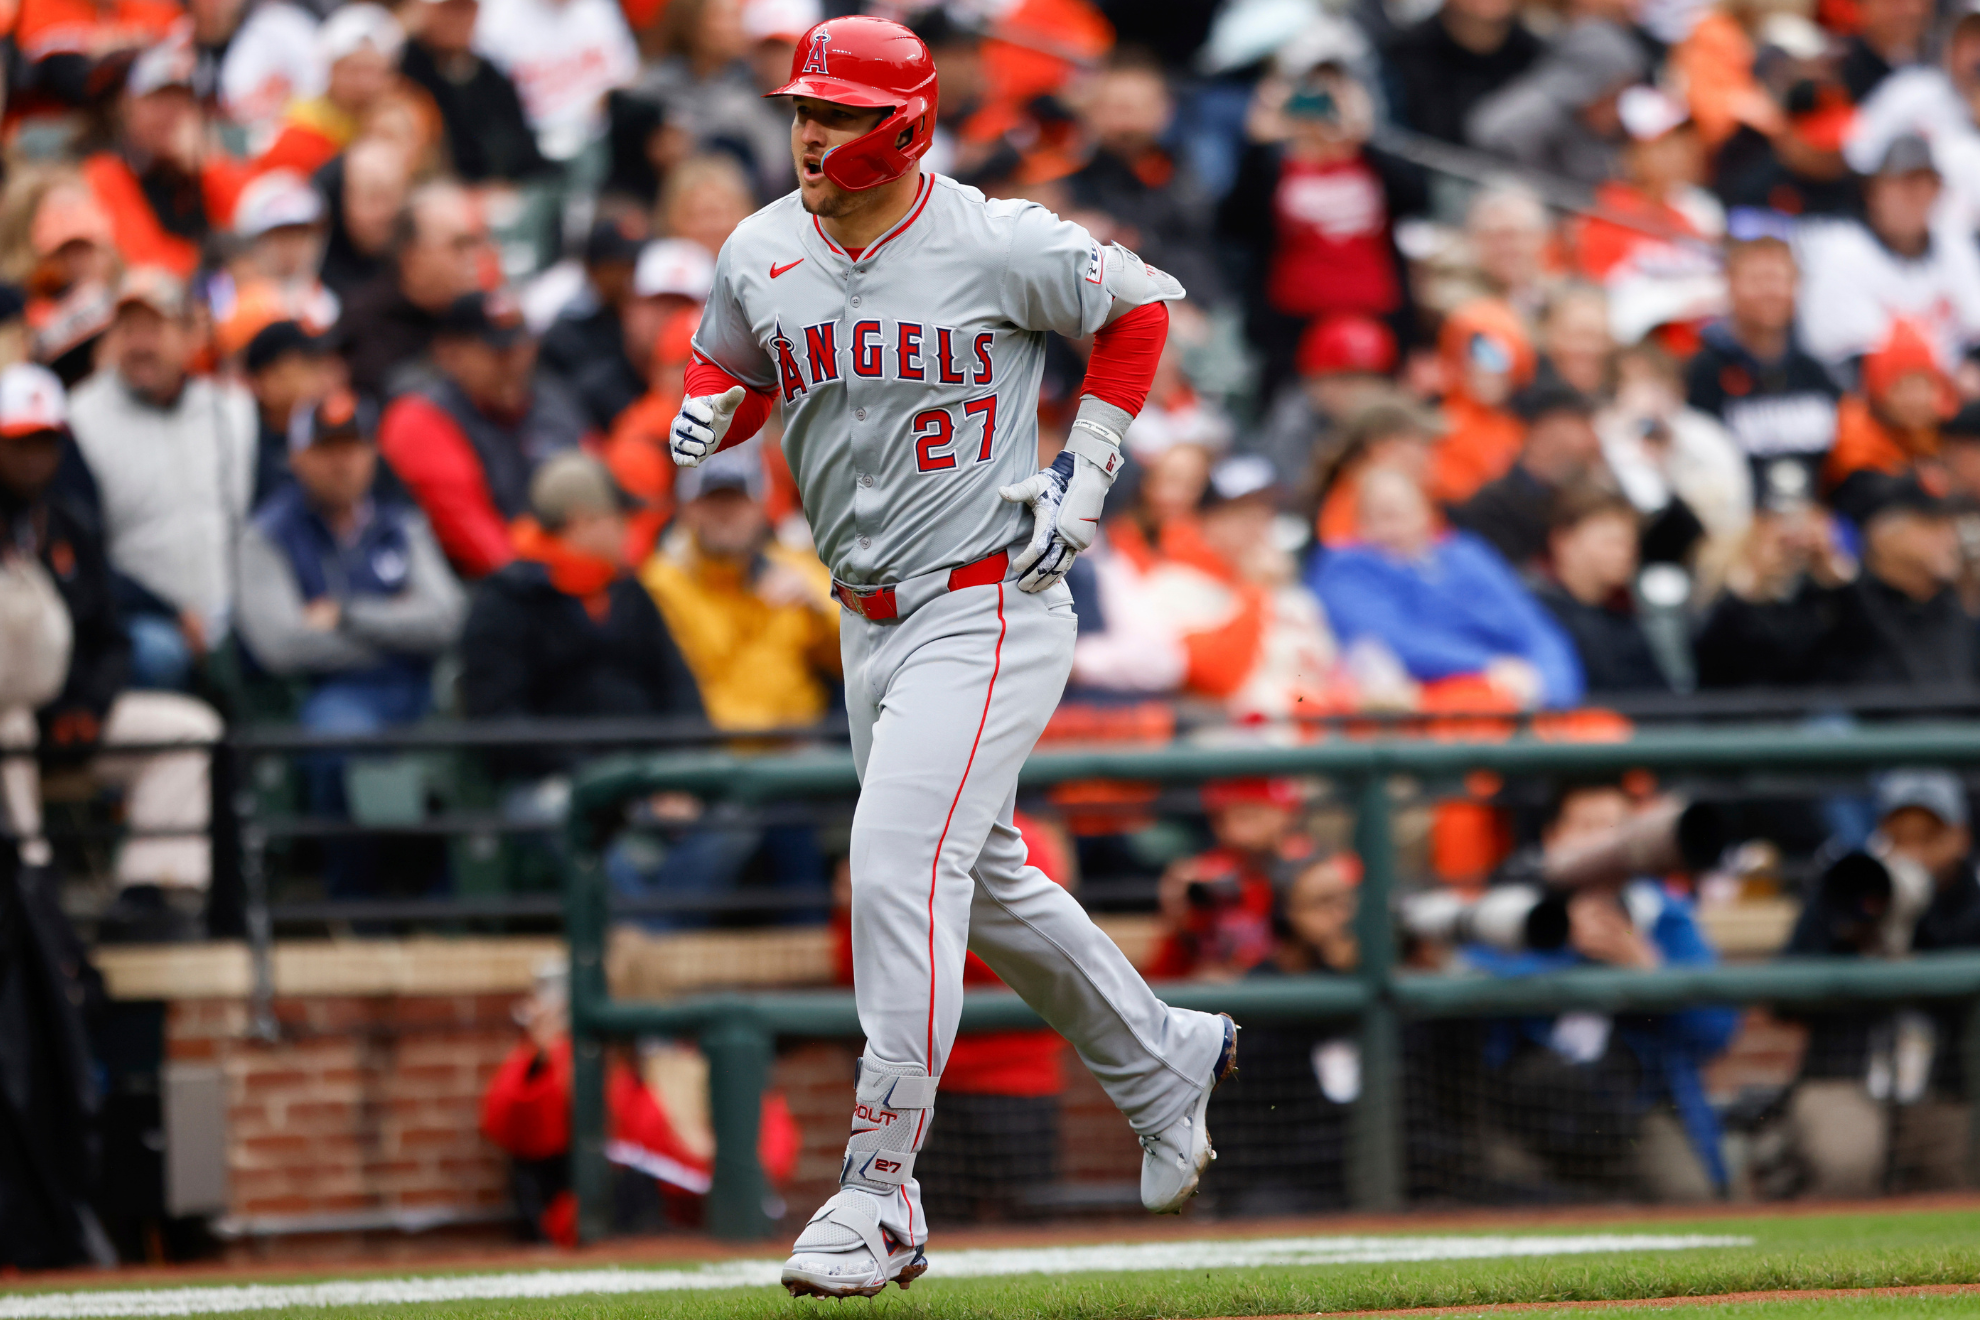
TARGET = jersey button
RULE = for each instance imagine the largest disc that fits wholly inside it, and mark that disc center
(860, 413)
(866, 478)
(866, 543)
(855, 300)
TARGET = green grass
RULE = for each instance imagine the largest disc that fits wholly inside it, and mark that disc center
(1816, 1251)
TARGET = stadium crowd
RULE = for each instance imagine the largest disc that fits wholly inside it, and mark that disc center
(1532, 358)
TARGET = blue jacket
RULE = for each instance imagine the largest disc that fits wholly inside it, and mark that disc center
(1450, 613)
(1673, 1048)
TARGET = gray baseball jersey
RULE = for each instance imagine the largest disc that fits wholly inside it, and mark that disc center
(909, 376)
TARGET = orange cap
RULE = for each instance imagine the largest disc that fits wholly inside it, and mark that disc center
(1492, 320)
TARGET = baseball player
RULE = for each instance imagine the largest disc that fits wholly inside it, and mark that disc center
(900, 319)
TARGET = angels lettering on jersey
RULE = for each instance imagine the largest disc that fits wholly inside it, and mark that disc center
(878, 349)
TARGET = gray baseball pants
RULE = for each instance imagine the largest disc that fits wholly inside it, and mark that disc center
(945, 705)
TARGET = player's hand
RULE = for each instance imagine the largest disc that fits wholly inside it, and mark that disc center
(1066, 500)
(700, 425)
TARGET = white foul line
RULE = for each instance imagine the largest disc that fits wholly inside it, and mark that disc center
(1115, 1258)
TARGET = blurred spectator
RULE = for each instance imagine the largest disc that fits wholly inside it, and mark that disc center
(756, 621)
(1446, 64)
(1176, 413)
(1892, 427)
(359, 45)
(71, 684)
(1561, 449)
(1879, 1104)
(1343, 363)
(703, 200)
(1128, 638)
(1592, 562)
(1889, 35)
(72, 280)
(75, 55)
(268, 61)
(586, 345)
(439, 246)
(1314, 209)
(173, 457)
(1788, 115)
(1316, 919)
(488, 136)
(468, 443)
(661, 1156)
(563, 56)
(565, 630)
(366, 188)
(1653, 281)
(1486, 358)
(1590, 1099)
(1939, 103)
(1217, 907)
(1681, 469)
(1782, 593)
(1902, 620)
(280, 219)
(1907, 258)
(707, 89)
(1560, 115)
(1389, 432)
(285, 367)
(1576, 347)
(1448, 606)
(1509, 229)
(346, 594)
(1751, 372)
(164, 185)
(1152, 197)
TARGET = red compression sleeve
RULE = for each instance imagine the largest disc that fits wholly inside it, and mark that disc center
(1124, 356)
(704, 377)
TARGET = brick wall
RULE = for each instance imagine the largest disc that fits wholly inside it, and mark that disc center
(366, 1104)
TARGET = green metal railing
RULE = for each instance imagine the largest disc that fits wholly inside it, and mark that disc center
(738, 1032)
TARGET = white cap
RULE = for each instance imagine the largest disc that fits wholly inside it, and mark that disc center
(31, 400)
(780, 20)
(275, 200)
(676, 266)
(354, 27)
(170, 62)
(1647, 114)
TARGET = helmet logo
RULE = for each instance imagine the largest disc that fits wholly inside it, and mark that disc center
(815, 61)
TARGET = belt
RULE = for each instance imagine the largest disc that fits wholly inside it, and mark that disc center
(884, 604)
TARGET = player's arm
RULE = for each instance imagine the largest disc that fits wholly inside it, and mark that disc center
(1122, 302)
(728, 379)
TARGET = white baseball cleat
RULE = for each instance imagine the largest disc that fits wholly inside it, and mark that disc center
(1173, 1160)
(845, 1252)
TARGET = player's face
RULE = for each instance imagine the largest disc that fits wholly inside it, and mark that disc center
(817, 127)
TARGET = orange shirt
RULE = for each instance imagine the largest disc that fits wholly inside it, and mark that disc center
(141, 240)
(1480, 446)
(81, 27)
(1716, 65)
(1865, 442)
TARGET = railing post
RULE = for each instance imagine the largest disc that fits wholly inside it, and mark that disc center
(739, 1049)
(1375, 1148)
(584, 928)
(1969, 1076)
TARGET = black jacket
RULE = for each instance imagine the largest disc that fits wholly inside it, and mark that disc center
(1768, 643)
(1615, 655)
(1171, 221)
(487, 134)
(381, 334)
(68, 539)
(1784, 409)
(586, 348)
(530, 650)
(1434, 82)
(1884, 636)
(345, 269)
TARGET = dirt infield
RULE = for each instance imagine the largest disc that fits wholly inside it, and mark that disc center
(1639, 1303)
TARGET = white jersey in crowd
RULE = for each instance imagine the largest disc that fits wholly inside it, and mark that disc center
(563, 56)
(1853, 287)
(271, 61)
(908, 377)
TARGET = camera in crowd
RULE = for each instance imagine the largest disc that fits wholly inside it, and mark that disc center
(1527, 910)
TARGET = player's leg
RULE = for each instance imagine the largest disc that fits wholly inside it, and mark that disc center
(944, 706)
(1157, 1063)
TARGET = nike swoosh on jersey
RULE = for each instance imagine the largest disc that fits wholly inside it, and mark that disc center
(776, 270)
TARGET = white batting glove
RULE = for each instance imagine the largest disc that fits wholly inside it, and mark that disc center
(1065, 501)
(700, 425)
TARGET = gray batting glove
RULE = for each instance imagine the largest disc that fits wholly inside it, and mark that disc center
(1065, 501)
(700, 425)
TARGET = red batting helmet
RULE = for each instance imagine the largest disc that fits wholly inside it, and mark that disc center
(873, 63)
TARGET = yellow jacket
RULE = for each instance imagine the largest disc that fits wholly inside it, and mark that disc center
(759, 665)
